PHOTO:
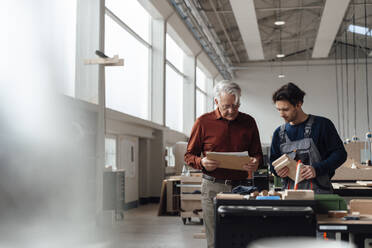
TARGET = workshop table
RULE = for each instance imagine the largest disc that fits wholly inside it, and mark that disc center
(357, 231)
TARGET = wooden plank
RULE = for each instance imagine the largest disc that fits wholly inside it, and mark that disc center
(364, 183)
(162, 203)
(190, 179)
(361, 205)
(346, 173)
(194, 197)
(190, 205)
(286, 161)
(199, 236)
(191, 189)
(230, 196)
(196, 174)
(175, 178)
(290, 194)
(169, 195)
(338, 186)
(324, 220)
(229, 161)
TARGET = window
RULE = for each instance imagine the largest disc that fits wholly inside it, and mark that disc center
(201, 93)
(359, 30)
(174, 85)
(64, 27)
(110, 153)
(127, 88)
(200, 80)
(200, 103)
(130, 12)
(44, 35)
(174, 53)
(170, 156)
(174, 93)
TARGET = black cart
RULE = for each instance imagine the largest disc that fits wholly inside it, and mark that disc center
(239, 222)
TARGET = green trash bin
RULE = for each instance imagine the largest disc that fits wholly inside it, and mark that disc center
(326, 202)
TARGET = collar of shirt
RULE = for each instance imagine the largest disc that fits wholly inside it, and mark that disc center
(219, 116)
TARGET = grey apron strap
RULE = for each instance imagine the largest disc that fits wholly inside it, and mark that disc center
(282, 135)
(308, 126)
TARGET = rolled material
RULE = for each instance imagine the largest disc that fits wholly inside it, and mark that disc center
(298, 171)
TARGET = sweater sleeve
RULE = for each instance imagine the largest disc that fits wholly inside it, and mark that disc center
(332, 150)
(194, 147)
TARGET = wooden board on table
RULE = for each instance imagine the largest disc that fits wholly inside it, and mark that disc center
(363, 206)
(303, 194)
(364, 183)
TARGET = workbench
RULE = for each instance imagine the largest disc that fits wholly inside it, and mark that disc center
(242, 221)
(357, 231)
(351, 189)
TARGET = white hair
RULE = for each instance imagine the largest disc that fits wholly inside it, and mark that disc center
(228, 87)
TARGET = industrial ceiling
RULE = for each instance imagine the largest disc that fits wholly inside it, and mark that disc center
(237, 32)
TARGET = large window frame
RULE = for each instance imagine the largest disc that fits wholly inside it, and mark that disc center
(126, 28)
(203, 92)
(182, 75)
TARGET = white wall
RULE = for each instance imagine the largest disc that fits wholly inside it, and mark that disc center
(149, 140)
(317, 79)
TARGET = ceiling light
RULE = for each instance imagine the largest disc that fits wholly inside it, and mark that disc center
(279, 23)
(281, 76)
(280, 55)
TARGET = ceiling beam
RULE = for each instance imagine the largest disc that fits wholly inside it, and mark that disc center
(245, 15)
(225, 32)
(289, 8)
(329, 25)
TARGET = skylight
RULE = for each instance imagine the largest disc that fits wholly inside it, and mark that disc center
(359, 30)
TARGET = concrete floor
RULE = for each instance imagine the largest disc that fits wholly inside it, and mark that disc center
(142, 227)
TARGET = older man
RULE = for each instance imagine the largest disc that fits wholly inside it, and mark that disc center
(223, 130)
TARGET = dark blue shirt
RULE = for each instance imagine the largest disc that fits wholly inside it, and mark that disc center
(326, 139)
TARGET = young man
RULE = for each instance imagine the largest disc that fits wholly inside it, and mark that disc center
(312, 139)
(222, 130)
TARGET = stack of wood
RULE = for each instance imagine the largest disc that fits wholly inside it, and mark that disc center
(286, 161)
(303, 194)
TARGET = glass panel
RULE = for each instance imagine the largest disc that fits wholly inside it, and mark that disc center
(200, 104)
(358, 29)
(63, 26)
(130, 12)
(170, 156)
(174, 53)
(174, 93)
(110, 153)
(201, 79)
(126, 87)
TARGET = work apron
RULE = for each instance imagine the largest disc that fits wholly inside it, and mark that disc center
(306, 151)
